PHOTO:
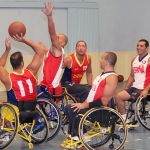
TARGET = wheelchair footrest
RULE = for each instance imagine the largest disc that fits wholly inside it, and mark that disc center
(69, 143)
(129, 125)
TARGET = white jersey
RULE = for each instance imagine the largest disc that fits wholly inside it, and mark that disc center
(141, 71)
(98, 86)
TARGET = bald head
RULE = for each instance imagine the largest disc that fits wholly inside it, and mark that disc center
(62, 39)
(111, 58)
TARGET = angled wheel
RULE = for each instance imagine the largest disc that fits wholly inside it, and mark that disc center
(67, 99)
(8, 124)
(143, 111)
(97, 129)
(37, 131)
(53, 116)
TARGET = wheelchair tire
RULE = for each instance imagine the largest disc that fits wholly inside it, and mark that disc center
(99, 124)
(53, 115)
(39, 136)
(68, 99)
(8, 127)
(143, 112)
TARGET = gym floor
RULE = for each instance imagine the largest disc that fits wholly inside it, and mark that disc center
(138, 139)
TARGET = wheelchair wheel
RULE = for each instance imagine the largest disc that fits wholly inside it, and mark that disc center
(97, 129)
(143, 112)
(8, 124)
(130, 109)
(39, 131)
(52, 114)
(68, 99)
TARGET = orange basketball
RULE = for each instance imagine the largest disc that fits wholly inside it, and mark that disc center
(120, 78)
(17, 28)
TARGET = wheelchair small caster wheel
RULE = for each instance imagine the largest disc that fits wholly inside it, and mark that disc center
(131, 128)
(111, 146)
(30, 145)
(121, 130)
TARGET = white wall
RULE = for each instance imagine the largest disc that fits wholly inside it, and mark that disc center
(36, 25)
(121, 24)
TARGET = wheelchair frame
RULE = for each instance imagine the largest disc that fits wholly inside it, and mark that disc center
(10, 113)
(57, 110)
(143, 113)
(102, 128)
(138, 113)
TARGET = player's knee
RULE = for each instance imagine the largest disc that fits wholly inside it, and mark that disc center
(87, 90)
(67, 108)
(117, 97)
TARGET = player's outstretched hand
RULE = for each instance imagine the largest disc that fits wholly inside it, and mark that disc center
(48, 9)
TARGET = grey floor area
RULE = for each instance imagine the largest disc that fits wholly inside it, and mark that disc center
(138, 139)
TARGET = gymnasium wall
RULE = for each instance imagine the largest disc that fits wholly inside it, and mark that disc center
(119, 26)
(72, 19)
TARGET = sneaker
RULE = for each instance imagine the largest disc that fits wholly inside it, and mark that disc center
(86, 137)
(147, 108)
(39, 127)
(128, 122)
(5, 137)
(52, 125)
(75, 138)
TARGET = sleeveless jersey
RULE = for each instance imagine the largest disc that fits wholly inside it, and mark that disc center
(141, 71)
(52, 69)
(23, 86)
(98, 86)
(76, 71)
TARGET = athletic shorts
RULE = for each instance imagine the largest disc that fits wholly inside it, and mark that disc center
(133, 92)
(44, 92)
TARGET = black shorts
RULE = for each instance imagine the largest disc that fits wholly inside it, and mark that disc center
(133, 92)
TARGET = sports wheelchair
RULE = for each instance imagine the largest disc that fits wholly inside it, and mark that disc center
(30, 124)
(138, 110)
(53, 111)
(143, 111)
(97, 131)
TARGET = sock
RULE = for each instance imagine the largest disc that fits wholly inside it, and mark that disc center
(124, 118)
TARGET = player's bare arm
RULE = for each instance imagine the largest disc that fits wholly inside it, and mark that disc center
(149, 61)
(56, 47)
(147, 89)
(110, 89)
(5, 54)
(67, 62)
(131, 77)
(38, 48)
(89, 75)
(4, 77)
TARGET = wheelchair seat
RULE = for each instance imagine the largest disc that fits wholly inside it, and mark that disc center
(27, 111)
(27, 116)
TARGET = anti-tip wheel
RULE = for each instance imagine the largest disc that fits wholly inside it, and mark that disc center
(30, 145)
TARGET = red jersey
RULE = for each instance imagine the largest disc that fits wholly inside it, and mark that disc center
(23, 85)
(78, 69)
(52, 69)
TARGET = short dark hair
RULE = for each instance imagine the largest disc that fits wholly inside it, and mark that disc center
(111, 58)
(146, 42)
(16, 59)
(81, 41)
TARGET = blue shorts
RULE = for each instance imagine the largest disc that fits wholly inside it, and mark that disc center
(42, 92)
(133, 92)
